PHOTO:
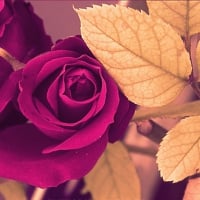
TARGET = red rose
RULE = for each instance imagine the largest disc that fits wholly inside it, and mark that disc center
(23, 36)
(75, 108)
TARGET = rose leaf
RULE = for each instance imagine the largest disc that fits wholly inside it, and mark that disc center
(173, 111)
(179, 155)
(145, 56)
(198, 53)
(183, 16)
(114, 176)
(14, 190)
(198, 59)
(192, 191)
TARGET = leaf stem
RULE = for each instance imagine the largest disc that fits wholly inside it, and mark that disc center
(194, 78)
(172, 111)
(38, 194)
(195, 71)
(136, 149)
(16, 64)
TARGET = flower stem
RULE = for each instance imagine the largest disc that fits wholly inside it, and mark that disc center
(173, 111)
(38, 194)
(141, 150)
(16, 64)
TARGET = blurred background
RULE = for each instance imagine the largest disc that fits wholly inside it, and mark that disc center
(59, 17)
(61, 20)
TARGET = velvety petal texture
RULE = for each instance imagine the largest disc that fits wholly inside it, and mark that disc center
(74, 109)
(21, 31)
(22, 35)
(21, 157)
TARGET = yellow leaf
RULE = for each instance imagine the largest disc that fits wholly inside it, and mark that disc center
(192, 191)
(145, 56)
(182, 15)
(114, 176)
(198, 53)
(179, 154)
(173, 111)
(198, 59)
(12, 190)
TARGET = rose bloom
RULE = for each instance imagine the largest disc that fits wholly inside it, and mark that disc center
(21, 30)
(74, 108)
(23, 36)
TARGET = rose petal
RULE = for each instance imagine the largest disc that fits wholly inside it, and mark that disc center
(78, 111)
(25, 33)
(10, 116)
(38, 63)
(28, 84)
(123, 116)
(52, 92)
(98, 126)
(54, 64)
(15, 19)
(73, 43)
(9, 89)
(2, 3)
(5, 71)
(86, 83)
(21, 158)
(74, 113)
(48, 80)
(69, 106)
(6, 16)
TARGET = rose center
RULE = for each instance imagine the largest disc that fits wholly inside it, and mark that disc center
(80, 84)
(81, 88)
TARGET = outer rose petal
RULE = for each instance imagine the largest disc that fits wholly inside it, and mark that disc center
(95, 127)
(1, 5)
(22, 35)
(9, 113)
(28, 85)
(5, 71)
(74, 43)
(6, 16)
(21, 157)
(25, 33)
(32, 76)
(72, 148)
(123, 116)
(9, 89)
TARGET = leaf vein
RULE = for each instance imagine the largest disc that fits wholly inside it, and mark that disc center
(139, 56)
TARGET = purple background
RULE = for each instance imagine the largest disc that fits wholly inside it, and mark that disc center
(59, 18)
